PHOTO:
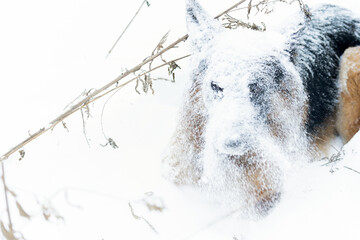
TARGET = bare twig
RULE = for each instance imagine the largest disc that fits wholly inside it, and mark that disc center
(257, 5)
(8, 232)
(84, 126)
(142, 218)
(233, 23)
(264, 3)
(137, 12)
(102, 117)
(135, 78)
(336, 157)
(11, 230)
(352, 169)
(229, 9)
(304, 8)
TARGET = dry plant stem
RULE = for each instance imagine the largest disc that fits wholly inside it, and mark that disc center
(84, 126)
(261, 3)
(90, 99)
(351, 169)
(255, 5)
(141, 218)
(6, 198)
(229, 9)
(134, 69)
(133, 79)
(117, 40)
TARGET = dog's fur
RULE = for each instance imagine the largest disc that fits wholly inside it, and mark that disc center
(348, 118)
(248, 109)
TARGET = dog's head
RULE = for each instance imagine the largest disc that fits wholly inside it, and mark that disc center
(254, 100)
(251, 91)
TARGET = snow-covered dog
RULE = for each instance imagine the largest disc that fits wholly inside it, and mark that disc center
(261, 100)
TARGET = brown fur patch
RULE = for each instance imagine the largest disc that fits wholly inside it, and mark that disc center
(348, 119)
(261, 185)
(283, 99)
(325, 135)
(258, 181)
(188, 141)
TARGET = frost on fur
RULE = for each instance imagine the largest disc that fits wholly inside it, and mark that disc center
(257, 103)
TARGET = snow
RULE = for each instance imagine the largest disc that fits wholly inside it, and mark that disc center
(50, 53)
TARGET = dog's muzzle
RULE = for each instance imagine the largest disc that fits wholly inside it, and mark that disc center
(238, 144)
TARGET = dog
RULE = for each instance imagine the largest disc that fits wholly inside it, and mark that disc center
(261, 102)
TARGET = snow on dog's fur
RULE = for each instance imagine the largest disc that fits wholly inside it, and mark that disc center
(257, 104)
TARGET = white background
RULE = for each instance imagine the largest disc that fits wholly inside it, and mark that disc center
(50, 52)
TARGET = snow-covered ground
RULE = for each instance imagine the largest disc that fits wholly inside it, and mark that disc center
(51, 51)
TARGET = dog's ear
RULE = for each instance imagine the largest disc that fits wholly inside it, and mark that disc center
(201, 26)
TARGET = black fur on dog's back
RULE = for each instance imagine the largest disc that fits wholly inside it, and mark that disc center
(315, 50)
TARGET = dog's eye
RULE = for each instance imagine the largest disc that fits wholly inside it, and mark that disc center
(255, 89)
(216, 87)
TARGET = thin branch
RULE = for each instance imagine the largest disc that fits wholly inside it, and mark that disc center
(352, 169)
(141, 218)
(233, 23)
(84, 126)
(229, 9)
(135, 78)
(102, 119)
(117, 40)
(6, 198)
(303, 7)
(134, 69)
(257, 5)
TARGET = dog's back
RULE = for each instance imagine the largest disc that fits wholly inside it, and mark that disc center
(315, 51)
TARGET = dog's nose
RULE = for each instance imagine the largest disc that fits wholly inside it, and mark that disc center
(233, 144)
(238, 144)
